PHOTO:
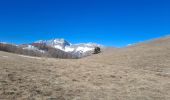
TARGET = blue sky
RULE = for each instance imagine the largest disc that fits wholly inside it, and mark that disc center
(108, 22)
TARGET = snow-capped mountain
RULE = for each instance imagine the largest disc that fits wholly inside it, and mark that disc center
(56, 43)
(81, 49)
(56, 48)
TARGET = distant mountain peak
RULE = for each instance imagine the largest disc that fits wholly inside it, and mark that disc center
(61, 41)
(78, 49)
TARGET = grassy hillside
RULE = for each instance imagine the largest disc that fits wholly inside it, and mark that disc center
(137, 72)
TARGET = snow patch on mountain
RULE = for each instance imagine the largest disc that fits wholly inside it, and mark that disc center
(30, 47)
(84, 49)
(69, 49)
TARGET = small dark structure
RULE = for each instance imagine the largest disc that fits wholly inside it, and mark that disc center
(97, 50)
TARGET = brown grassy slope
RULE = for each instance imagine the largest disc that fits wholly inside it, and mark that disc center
(137, 72)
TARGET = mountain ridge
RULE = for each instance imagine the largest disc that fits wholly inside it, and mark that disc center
(80, 49)
(58, 48)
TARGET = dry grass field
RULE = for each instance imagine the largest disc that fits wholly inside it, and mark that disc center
(136, 72)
